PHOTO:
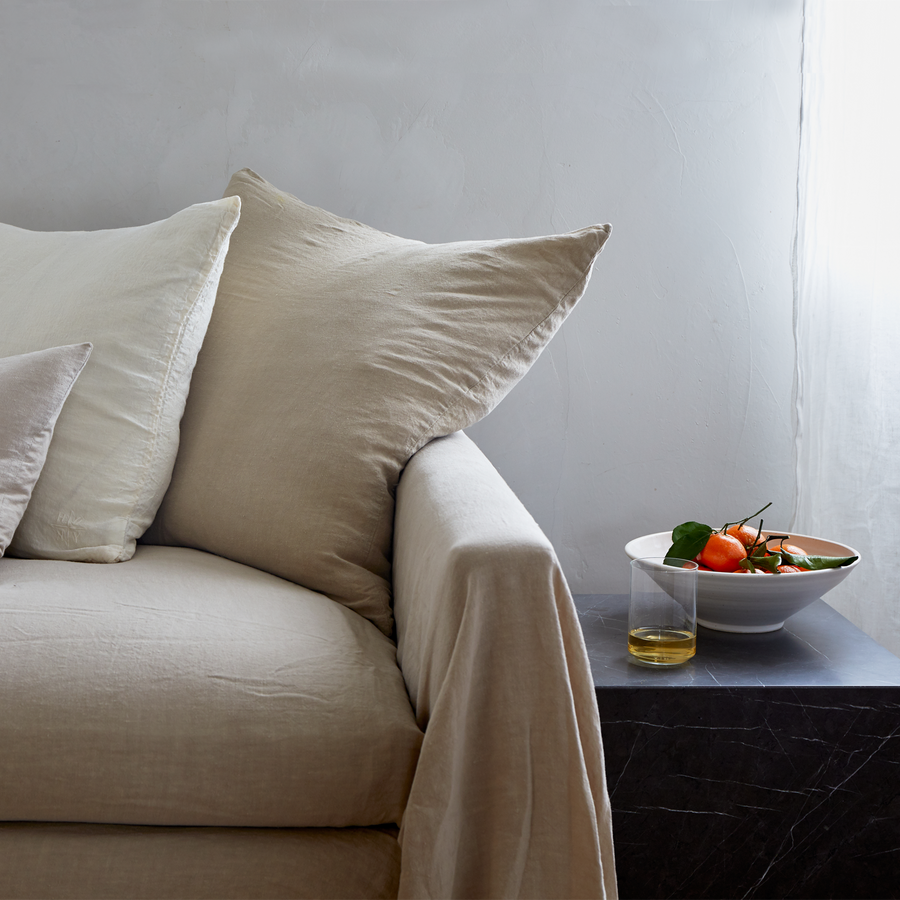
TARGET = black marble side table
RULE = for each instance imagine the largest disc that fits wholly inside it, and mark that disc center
(766, 767)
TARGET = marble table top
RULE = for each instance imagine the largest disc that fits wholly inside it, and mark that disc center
(816, 647)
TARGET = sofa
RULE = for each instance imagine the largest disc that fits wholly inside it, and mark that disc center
(271, 625)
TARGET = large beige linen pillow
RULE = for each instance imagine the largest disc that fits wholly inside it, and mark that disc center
(33, 389)
(334, 353)
(143, 297)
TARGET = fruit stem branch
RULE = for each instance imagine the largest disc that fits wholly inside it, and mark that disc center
(745, 521)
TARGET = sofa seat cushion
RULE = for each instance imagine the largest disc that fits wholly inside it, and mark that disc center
(111, 862)
(180, 688)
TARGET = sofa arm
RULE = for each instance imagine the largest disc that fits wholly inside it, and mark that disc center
(509, 797)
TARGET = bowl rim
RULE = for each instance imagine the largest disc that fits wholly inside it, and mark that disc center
(794, 536)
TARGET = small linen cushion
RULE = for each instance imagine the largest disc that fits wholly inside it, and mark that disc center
(33, 389)
(334, 353)
(142, 296)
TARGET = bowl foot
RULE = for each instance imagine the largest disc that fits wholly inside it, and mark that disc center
(740, 629)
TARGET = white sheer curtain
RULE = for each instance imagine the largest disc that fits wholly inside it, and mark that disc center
(847, 316)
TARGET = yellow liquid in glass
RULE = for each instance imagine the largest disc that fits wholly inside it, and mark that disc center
(662, 646)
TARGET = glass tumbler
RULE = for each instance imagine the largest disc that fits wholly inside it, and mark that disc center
(662, 614)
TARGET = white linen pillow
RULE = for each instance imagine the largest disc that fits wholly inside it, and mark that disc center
(143, 297)
(33, 389)
(334, 353)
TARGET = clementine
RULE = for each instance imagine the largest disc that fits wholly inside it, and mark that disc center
(745, 534)
(722, 552)
(788, 548)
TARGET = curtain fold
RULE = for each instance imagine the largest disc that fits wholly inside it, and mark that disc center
(847, 314)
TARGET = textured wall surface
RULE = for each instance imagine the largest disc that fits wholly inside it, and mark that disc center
(667, 395)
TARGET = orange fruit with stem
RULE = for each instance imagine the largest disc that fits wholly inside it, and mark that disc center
(745, 534)
(778, 544)
(723, 552)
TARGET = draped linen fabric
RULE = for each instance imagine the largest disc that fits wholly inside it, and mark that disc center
(509, 797)
(848, 302)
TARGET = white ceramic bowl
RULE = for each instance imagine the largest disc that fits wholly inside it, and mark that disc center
(755, 603)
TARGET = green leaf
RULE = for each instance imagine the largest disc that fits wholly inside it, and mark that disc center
(816, 562)
(688, 539)
(765, 563)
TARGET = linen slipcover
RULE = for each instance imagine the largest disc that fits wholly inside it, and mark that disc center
(509, 797)
(180, 688)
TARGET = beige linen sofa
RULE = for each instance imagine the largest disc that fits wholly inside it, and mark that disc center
(271, 625)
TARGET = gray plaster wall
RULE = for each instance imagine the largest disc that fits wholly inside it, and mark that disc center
(668, 394)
